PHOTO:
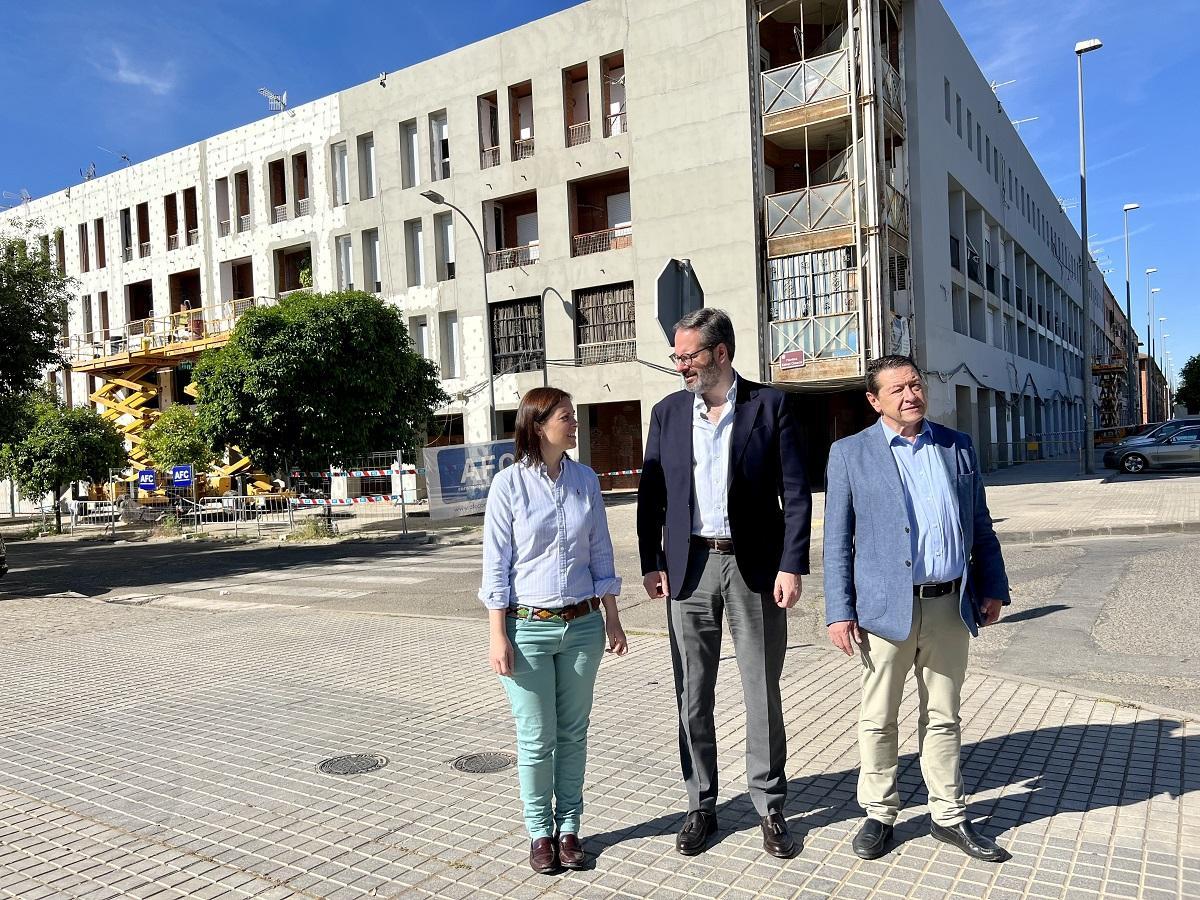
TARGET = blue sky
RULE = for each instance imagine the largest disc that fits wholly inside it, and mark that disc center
(142, 79)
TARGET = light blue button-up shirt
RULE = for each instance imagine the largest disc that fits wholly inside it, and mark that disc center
(710, 466)
(937, 543)
(546, 543)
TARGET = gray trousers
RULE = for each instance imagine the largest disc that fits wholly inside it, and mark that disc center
(712, 589)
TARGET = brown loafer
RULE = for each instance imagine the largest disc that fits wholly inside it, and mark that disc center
(570, 852)
(543, 856)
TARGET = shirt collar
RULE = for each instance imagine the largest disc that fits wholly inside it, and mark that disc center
(926, 433)
(701, 407)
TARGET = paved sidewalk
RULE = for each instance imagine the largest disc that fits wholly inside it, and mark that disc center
(172, 753)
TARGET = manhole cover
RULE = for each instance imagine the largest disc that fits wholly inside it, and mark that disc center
(484, 763)
(355, 764)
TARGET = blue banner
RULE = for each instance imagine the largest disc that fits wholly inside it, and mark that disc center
(459, 476)
(147, 480)
(181, 476)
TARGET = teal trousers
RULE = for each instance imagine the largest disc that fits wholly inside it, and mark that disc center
(550, 691)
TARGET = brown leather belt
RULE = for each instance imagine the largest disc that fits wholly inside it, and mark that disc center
(566, 614)
(717, 545)
(941, 589)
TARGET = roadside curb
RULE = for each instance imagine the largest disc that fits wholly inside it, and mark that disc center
(1037, 537)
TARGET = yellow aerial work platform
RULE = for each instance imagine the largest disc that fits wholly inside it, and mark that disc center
(128, 359)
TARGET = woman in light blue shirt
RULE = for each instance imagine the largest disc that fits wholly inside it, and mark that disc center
(547, 570)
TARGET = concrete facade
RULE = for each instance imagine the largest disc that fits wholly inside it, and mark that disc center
(702, 157)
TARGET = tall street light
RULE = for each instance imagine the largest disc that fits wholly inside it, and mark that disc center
(1130, 349)
(1089, 437)
(1162, 341)
(1149, 312)
(438, 199)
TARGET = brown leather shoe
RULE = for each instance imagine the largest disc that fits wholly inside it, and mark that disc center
(543, 856)
(570, 852)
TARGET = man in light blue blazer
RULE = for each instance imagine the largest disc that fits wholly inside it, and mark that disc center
(912, 569)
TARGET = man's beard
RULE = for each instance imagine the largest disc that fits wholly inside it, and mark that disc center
(705, 378)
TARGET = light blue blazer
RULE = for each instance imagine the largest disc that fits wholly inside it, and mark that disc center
(868, 547)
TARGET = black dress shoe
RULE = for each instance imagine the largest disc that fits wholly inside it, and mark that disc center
(872, 839)
(777, 840)
(697, 828)
(543, 856)
(969, 841)
(570, 852)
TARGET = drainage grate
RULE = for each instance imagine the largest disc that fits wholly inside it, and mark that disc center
(484, 763)
(355, 764)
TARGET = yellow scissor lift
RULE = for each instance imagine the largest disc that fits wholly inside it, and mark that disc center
(128, 361)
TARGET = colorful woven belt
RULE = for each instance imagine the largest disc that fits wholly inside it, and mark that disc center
(565, 614)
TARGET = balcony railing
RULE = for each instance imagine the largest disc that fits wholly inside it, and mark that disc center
(895, 209)
(615, 124)
(193, 236)
(599, 241)
(820, 337)
(513, 257)
(244, 222)
(809, 81)
(955, 253)
(144, 249)
(302, 206)
(223, 228)
(279, 213)
(810, 209)
(893, 88)
(488, 157)
(172, 242)
(523, 149)
(579, 134)
(161, 332)
(606, 352)
(127, 254)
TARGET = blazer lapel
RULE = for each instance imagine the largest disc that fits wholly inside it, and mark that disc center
(885, 462)
(745, 411)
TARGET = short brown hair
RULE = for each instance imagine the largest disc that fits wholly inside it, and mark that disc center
(534, 410)
(883, 363)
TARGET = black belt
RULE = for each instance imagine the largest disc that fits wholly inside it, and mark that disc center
(717, 545)
(939, 589)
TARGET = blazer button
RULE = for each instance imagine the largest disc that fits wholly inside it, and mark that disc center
(908, 562)
(906, 529)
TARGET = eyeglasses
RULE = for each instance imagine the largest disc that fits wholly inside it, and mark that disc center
(688, 358)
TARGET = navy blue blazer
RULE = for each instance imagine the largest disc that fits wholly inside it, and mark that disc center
(868, 548)
(770, 506)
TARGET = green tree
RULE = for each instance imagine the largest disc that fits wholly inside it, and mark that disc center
(318, 379)
(1189, 385)
(61, 445)
(176, 439)
(33, 304)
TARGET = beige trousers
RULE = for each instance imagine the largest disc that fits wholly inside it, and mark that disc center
(936, 650)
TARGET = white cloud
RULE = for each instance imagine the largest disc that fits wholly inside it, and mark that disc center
(1119, 237)
(123, 71)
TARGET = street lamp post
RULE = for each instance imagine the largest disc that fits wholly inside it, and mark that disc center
(1089, 437)
(1162, 338)
(1130, 348)
(436, 198)
(1149, 338)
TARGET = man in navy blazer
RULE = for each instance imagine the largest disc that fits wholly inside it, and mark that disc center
(912, 569)
(724, 512)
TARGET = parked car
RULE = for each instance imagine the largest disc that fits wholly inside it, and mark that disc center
(1177, 447)
(1155, 431)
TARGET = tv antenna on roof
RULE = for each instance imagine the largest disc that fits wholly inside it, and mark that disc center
(996, 85)
(276, 102)
(1017, 123)
(124, 157)
(23, 196)
(1066, 204)
(89, 173)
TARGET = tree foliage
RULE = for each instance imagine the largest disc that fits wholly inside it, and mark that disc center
(60, 445)
(318, 379)
(1189, 385)
(33, 304)
(176, 439)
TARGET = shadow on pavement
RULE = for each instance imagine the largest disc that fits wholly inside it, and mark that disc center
(1036, 613)
(1063, 769)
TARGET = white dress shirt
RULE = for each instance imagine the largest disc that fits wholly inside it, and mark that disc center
(710, 466)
